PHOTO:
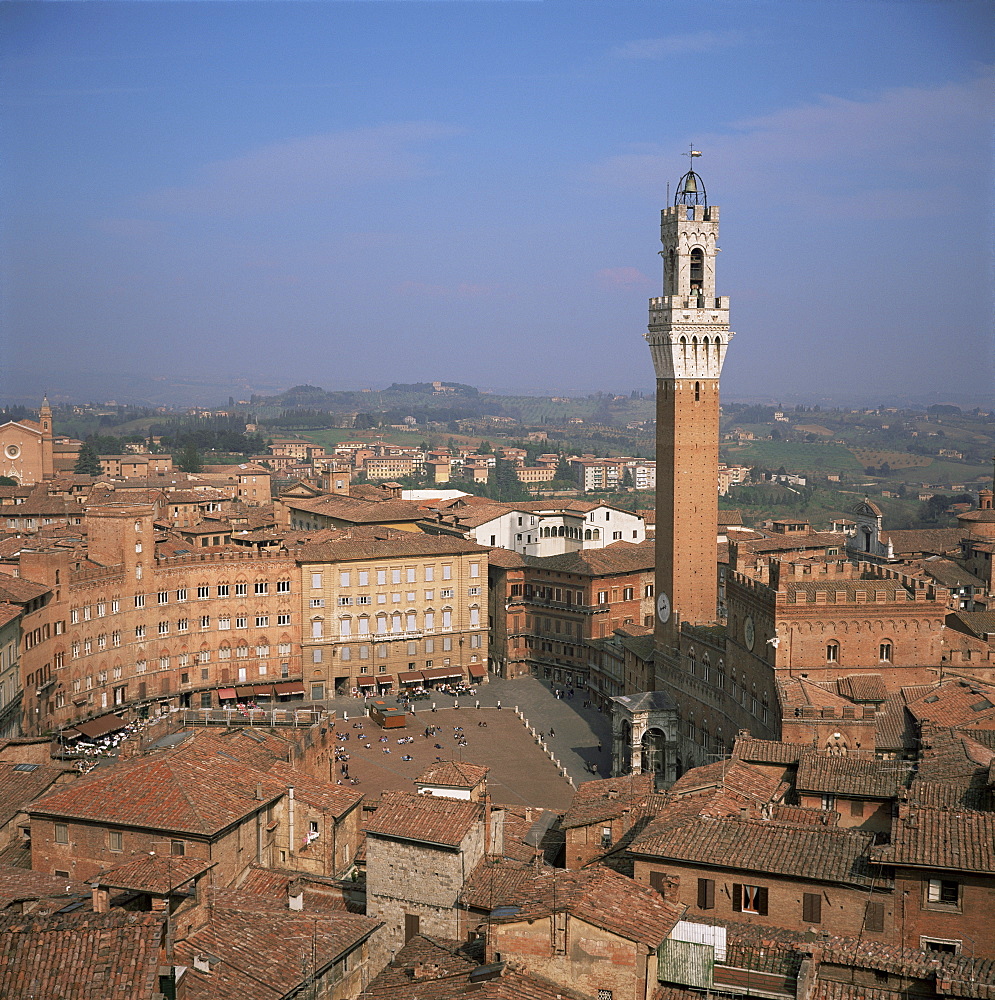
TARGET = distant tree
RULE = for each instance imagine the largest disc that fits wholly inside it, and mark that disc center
(775, 435)
(88, 461)
(564, 470)
(506, 486)
(189, 459)
(627, 481)
(363, 421)
(7, 481)
(485, 448)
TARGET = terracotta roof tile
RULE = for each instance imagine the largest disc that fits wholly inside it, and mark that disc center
(155, 874)
(81, 956)
(164, 792)
(607, 798)
(453, 773)
(826, 855)
(596, 895)
(18, 885)
(427, 818)
(380, 543)
(851, 776)
(959, 840)
(260, 952)
(768, 751)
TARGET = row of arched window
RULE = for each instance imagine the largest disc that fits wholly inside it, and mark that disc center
(397, 622)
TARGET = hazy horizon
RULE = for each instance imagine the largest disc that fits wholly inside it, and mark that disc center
(353, 194)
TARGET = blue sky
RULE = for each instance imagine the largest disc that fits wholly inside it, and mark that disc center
(351, 194)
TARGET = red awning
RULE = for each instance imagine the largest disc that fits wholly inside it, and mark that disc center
(476, 671)
(387, 679)
(265, 690)
(226, 694)
(290, 687)
(100, 727)
(366, 682)
(442, 673)
(411, 677)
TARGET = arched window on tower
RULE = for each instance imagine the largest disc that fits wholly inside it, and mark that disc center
(697, 392)
(697, 271)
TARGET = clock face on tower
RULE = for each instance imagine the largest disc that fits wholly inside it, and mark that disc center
(663, 607)
(749, 633)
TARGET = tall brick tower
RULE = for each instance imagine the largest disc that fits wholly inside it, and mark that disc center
(688, 335)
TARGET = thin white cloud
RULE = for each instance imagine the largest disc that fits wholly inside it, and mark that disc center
(677, 45)
(308, 170)
(901, 146)
(622, 277)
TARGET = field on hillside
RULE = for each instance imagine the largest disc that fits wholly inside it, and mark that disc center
(814, 459)
(896, 459)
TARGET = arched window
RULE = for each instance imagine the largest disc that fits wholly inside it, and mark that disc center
(597, 534)
(697, 270)
(381, 624)
(364, 625)
(317, 628)
(692, 661)
(345, 626)
(395, 622)
(884, 651)
(474, 616)
(697, 392)
(587, 535)
(832, 652)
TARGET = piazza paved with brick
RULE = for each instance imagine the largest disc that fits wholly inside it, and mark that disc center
(521, 770)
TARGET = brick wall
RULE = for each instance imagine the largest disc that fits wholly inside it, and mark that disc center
(843, 908)
(585, 958)
(970, 920)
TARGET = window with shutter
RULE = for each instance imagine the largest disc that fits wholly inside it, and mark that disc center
(874, 917)
(706, 894)
(737, 897)
(812, 908)
(658, 881)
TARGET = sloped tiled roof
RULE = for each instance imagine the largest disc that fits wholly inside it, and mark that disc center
(154, 873)
(607, 798)
(596, 895)
(427, 818)
(164, 792)
(17, 590)
(260, 954)
(768, 751)
(619, 557)
(336, 800)
(379, 543)
(760, 783)
(19, 787)
(960, 840)
(18, 884)
(81, 956)
(930, 541)
(862, 688)
(453, 773)
(851, 776)
(956, 703)
(826, 855)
